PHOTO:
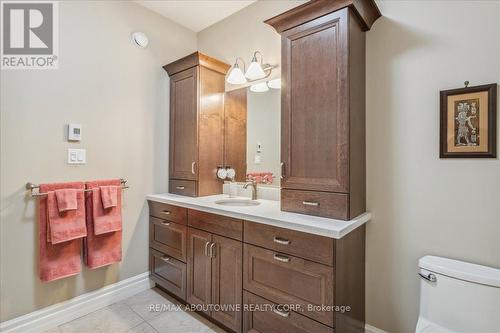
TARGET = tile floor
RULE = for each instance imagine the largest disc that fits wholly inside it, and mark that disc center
(133, 315)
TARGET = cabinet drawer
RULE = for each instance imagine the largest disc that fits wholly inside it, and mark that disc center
(300, 244)
(182, 187)
(285, 279)
(269, 321)
(168, 237)
(168, 273)
(324, 204)
(168, 212)
(217, 224)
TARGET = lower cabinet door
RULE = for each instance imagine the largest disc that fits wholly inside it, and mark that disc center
(263, 316)
(199, 277)
(227, 283)
(168, 272)
(285, 279)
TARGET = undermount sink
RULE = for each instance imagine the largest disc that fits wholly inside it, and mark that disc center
(238, 202)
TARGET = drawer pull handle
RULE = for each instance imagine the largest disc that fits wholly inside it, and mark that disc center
(281, 241)
(165, 259)
(192, 167)
(281, 313)
(166, 212)
(283, 170)
(212, 255)
(206, 249)
(281, 258)
(165, 223)
(310, 203)
(180, 187)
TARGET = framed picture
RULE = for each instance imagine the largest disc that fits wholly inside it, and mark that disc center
(468, 122)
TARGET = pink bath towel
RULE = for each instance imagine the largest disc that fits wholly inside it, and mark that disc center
(66, 225)
(109, 196)
(56, 261)
(105, 248)
(67, 199)
(105, 219)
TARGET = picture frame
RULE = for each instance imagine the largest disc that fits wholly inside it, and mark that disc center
(468, 122)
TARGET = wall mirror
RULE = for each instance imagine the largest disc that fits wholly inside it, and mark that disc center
(252, 134)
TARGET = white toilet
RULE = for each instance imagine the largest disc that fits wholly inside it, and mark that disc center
(458, 297)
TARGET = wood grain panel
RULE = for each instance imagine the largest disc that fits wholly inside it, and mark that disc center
(217, 224)
(168, 273)
(271, 322)
(168, 237)
(168, 212)
(184, 124)
(196, 59)
(199, 269)
(315, 121)
(235, 132)
(300, 244)
(227, 285)
(285, 279)
(210, 131)
(324, 204)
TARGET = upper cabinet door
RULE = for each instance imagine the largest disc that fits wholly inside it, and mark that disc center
(315, 120)
(184, 124)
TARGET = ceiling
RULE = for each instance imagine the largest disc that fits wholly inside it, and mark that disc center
(195, 15)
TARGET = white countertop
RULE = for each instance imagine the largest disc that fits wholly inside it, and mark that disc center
(268, 212)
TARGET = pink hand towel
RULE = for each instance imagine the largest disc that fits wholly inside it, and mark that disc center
(106, 220)
(66, 225)
(109, 196)
(66, 199)
(101, 249)
(56, 261)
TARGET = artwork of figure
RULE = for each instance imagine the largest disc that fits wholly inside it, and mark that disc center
(466, 116)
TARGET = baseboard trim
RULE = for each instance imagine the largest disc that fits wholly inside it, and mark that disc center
(373, 329)
(60, 313)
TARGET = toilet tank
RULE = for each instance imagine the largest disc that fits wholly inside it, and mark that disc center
(457, 296)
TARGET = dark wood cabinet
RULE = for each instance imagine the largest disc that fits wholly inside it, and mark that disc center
(199, 268)
(323, 106)
(168, 237)
(214, 270)
(235, 132)
(168, 272)
(196, 124)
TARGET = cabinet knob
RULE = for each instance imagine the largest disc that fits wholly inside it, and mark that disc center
(281, 241)
(281, 258)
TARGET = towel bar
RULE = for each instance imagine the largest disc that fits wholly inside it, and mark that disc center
(31, 187)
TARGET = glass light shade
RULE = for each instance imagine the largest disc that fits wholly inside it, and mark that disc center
(255, 71)
(259, 87)
(275, 84)
(236, 76)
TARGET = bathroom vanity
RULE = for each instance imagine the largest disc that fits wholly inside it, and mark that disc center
(209, 252)
(306, 249)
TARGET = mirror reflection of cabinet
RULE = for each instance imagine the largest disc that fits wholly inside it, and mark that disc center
(252, 133)
(196, 124)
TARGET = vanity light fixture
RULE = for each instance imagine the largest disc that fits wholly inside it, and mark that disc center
(259, 87)
(236, 76)
(274, 84)
(256, 71)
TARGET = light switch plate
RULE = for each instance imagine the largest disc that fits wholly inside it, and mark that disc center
(257, 159)
(77, 156)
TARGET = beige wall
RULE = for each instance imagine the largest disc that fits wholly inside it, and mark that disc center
(421, 204)
(119, 93)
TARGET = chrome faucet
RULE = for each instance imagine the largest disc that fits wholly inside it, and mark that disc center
(254, 188)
